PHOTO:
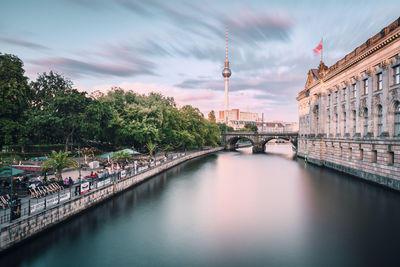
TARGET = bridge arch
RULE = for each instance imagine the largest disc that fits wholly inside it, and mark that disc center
(290, 139)
(258, 140)
(231, 142)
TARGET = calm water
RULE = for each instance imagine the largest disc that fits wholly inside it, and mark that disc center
(230, 209)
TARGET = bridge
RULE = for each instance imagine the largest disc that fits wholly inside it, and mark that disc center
(258, 140)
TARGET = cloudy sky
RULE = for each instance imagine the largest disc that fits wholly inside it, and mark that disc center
(178, 47)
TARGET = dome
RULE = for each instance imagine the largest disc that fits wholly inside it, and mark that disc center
(226, 72)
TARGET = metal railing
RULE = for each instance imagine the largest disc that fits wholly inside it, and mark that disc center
(32, 206)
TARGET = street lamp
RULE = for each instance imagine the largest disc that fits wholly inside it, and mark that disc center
(11, 179)
(79, 161)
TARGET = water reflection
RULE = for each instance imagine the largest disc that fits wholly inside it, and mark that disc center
(230, 209)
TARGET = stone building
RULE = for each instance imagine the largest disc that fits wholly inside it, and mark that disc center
(349, 113)
(237, 119)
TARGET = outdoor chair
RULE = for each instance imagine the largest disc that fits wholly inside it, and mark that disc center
(4, 201)
(37, 194)
(48, 189)
(60, 186)
(44, 188)
(52, 186)
(41, 191)
(56, 186)
(33, 194)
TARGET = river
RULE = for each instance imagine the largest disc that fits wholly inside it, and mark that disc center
(230, 209)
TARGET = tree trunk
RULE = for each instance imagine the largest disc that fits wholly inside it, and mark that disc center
(67, 141)
(58, 175)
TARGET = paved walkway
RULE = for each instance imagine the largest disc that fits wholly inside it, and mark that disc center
(74, 174)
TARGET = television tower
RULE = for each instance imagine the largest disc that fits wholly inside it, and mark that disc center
(226, 72)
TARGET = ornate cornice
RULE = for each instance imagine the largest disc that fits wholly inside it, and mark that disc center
(386, 36)
(355, 60)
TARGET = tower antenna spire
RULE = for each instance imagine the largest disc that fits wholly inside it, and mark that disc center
(226, 34)
(226, 73)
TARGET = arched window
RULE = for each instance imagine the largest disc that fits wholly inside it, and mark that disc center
(397, 119)
(365, 121)
(380, 120)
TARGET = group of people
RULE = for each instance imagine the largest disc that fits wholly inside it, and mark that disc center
(68, 181)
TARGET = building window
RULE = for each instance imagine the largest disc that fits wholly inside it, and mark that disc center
(329, 123)
(354, 121)
(344, 123)
(397, 119)
(361, 154)
(340, 151)
(329, 99)
(380, 120)
(374, 156)
(365, 121)
(336, 96)
(336, 124)
(344, 94)
(354, 90)
(365, 92)
(390, 156)
(379, 85)
(396, 74)
(350, 153)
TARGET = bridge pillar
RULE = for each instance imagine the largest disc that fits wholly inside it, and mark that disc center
(258, 148)
(230, 147)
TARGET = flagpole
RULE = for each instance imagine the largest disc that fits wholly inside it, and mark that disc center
(322, 48)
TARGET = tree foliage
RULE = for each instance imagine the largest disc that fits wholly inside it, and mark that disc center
(121, 157)
(49, 110)
(250, 128)
(211, 116)
(59, 161)
(15, 95)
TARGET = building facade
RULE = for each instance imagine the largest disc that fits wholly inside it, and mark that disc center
(277, 127)
(349, 113)
(237, 119)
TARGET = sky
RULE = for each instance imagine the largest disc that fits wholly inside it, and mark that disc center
(177, 48)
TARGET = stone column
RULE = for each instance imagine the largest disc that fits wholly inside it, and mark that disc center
(370, 103)
(385, 98)
(357, 105)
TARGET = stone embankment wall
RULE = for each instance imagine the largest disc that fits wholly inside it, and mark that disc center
(377, 161)
(23, 229)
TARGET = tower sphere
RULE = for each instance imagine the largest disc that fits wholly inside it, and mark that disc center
(226, 72)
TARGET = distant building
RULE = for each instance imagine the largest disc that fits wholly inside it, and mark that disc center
(237, 119)
(277, 127)
(350, 112)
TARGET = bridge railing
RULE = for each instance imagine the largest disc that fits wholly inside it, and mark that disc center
(262, 133)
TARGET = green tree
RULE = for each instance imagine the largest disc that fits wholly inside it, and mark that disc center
(151, 147)
(224, 128)
(251, 128)
(61, 113)
(15, 95)
(121, 157)
(211, 116)
(59, 161)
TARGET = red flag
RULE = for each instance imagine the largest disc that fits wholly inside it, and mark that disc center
(318, 49)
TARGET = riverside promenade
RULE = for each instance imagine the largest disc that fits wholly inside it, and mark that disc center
(41, 214)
